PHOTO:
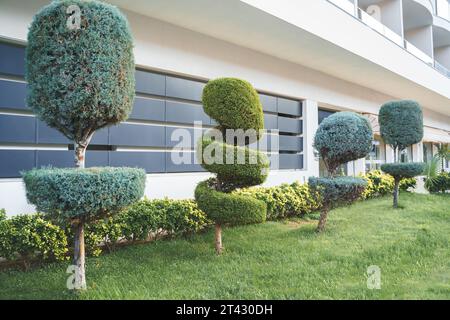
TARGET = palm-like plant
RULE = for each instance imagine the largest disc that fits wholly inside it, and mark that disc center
(431, 171)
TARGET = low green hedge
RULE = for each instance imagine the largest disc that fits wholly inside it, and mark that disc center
(286, 200)
(381, 184)
(29, 237)
(32, 236)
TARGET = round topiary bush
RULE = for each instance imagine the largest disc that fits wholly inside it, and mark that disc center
(403, 170)
(80, 68)
(336, 191)
(235, 105)
(401, 123)
(343, 137)
(80, 73)
(84, 194)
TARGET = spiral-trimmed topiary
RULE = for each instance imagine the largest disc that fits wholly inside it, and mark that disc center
(235, 105)
(342, 137)
(80, 73)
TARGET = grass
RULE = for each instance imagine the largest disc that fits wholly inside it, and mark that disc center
(275, 260)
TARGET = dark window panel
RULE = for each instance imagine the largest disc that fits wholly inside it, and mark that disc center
(152, 162)
(182, 137)
(137, 135)
(324, 114)
(287, 106)
(65, 159)
(15, 161)
(13, 95)
(291, 143)
(150, 83)
(173, 162)
(269, 103)
(184, 89)
(270, 121)
(50, 135)
(185, 113)
(289, 125)
(291, 161)
(148, 109)
(17, 129)
(12, 59)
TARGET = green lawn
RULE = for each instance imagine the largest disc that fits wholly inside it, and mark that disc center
(275, 260)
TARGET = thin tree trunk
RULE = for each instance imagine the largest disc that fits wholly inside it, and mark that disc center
(80, 152)
(395, 193)
(218, 237)
(79, 256)
(322, 219)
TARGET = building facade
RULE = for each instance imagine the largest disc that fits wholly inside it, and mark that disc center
(307, 59)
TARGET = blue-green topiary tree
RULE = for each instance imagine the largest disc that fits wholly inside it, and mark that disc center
(80, 73)
(401, 125)
(235, 105)
(341, 137)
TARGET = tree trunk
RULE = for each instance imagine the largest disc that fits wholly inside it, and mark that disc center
(79, 256)
(219, 247)
(322, 220)
(80, 152)
(395, 193)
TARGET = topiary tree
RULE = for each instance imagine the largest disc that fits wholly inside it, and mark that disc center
(401, 125)
(80, 73)
(235, 105)
(341, 137)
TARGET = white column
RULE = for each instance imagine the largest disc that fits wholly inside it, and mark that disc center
(310, 125)
(417, 150)
(389, 154)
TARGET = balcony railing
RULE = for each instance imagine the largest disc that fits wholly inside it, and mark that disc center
(381, 28)
(439, 67)
(376, 25)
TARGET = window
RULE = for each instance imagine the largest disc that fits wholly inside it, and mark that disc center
(406, 155)
(377, 155)
(427, 151)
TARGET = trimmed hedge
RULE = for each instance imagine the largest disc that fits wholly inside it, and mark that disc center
(233, 103)
(29, 237)
(80, 80)
(286, 200)
(401, 123)
(93, 192)
(380, 184)
(343, 137)
(228, 208)
(337, 191)
(403, 170)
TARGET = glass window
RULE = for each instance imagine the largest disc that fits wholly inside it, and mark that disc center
(377, 156)
(406, 155)
(427, 151)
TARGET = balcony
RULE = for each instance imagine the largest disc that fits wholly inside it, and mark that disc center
(358, 13)
(442, 8)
